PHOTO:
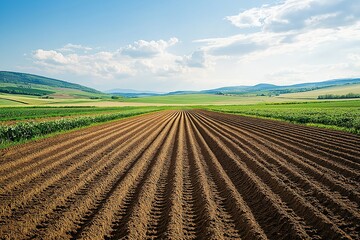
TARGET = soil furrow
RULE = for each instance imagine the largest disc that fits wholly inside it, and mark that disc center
(55, 197)
(297, 204)
(186, 174)
(115, 205)
(134, 223)
(266, 207)
(345, 140)
(333, 180)
(83, 207)
(218, 220)
(332, 159)
(64, 146)
(308, 165)
(334, 207)
(34, 151)
(49, 174)
(323, 159)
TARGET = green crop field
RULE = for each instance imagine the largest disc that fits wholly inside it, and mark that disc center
(21, 131)
(6, 102)
(336, 90)
(206, 99)
(74, 97)
(21, 113)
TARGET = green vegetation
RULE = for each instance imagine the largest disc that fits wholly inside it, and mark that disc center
(205, 99)
(31, 85)
(8, 102)
(30, 79)
(333, 96)
(25, 91)
(20, 113)
(27, 130)
(335, 90)
(343, 115)
(60, 98)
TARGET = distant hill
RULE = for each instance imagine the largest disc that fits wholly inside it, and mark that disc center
(121, 90)
(259, 89)
(44, 87)
(264, 87)
(328, 83)
(132, 93)
(25, 78)
(34, 85)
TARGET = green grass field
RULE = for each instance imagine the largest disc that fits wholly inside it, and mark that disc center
(207, 99)
(337, 90)
(73, 97)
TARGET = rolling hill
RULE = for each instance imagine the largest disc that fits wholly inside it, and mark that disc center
(34, 85)
(272, 89)
(262, 89)
(130, 93)
(28, 89)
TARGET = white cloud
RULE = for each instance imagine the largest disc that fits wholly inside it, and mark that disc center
(295, 15)
(148, 59)
(197, 59)
(289, 26)
(101, 64)
(147, 49)
(290, 41)
(52, 56)
(73, 47)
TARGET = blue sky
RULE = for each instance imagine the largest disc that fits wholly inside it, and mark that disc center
(171, 45)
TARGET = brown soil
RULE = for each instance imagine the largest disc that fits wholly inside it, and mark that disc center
(183, 175)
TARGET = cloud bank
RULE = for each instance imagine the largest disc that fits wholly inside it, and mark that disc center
(139, 58)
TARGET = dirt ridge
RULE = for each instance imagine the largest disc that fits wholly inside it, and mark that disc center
(190, 174)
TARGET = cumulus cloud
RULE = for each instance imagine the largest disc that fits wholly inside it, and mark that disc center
(294, 15)
(289, 26)
(147, 49)
(74, 47)
(52, 56)
(287, 34)
(102, 64)
(197, 59)
(141, 58)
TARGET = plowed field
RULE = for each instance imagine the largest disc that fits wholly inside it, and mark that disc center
(183, 175)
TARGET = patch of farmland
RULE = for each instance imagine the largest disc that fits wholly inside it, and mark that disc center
(183, 175)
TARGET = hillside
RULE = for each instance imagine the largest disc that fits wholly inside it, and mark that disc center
(335, 90)
(27, 79)
(13, 84)
(271, 89)
(262, 89)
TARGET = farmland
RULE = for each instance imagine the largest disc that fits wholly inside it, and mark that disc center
(19, 131)
(206, 99)
(21, 113)
(336, 90)
(185, 175)
(23, 123)
(343, 115)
